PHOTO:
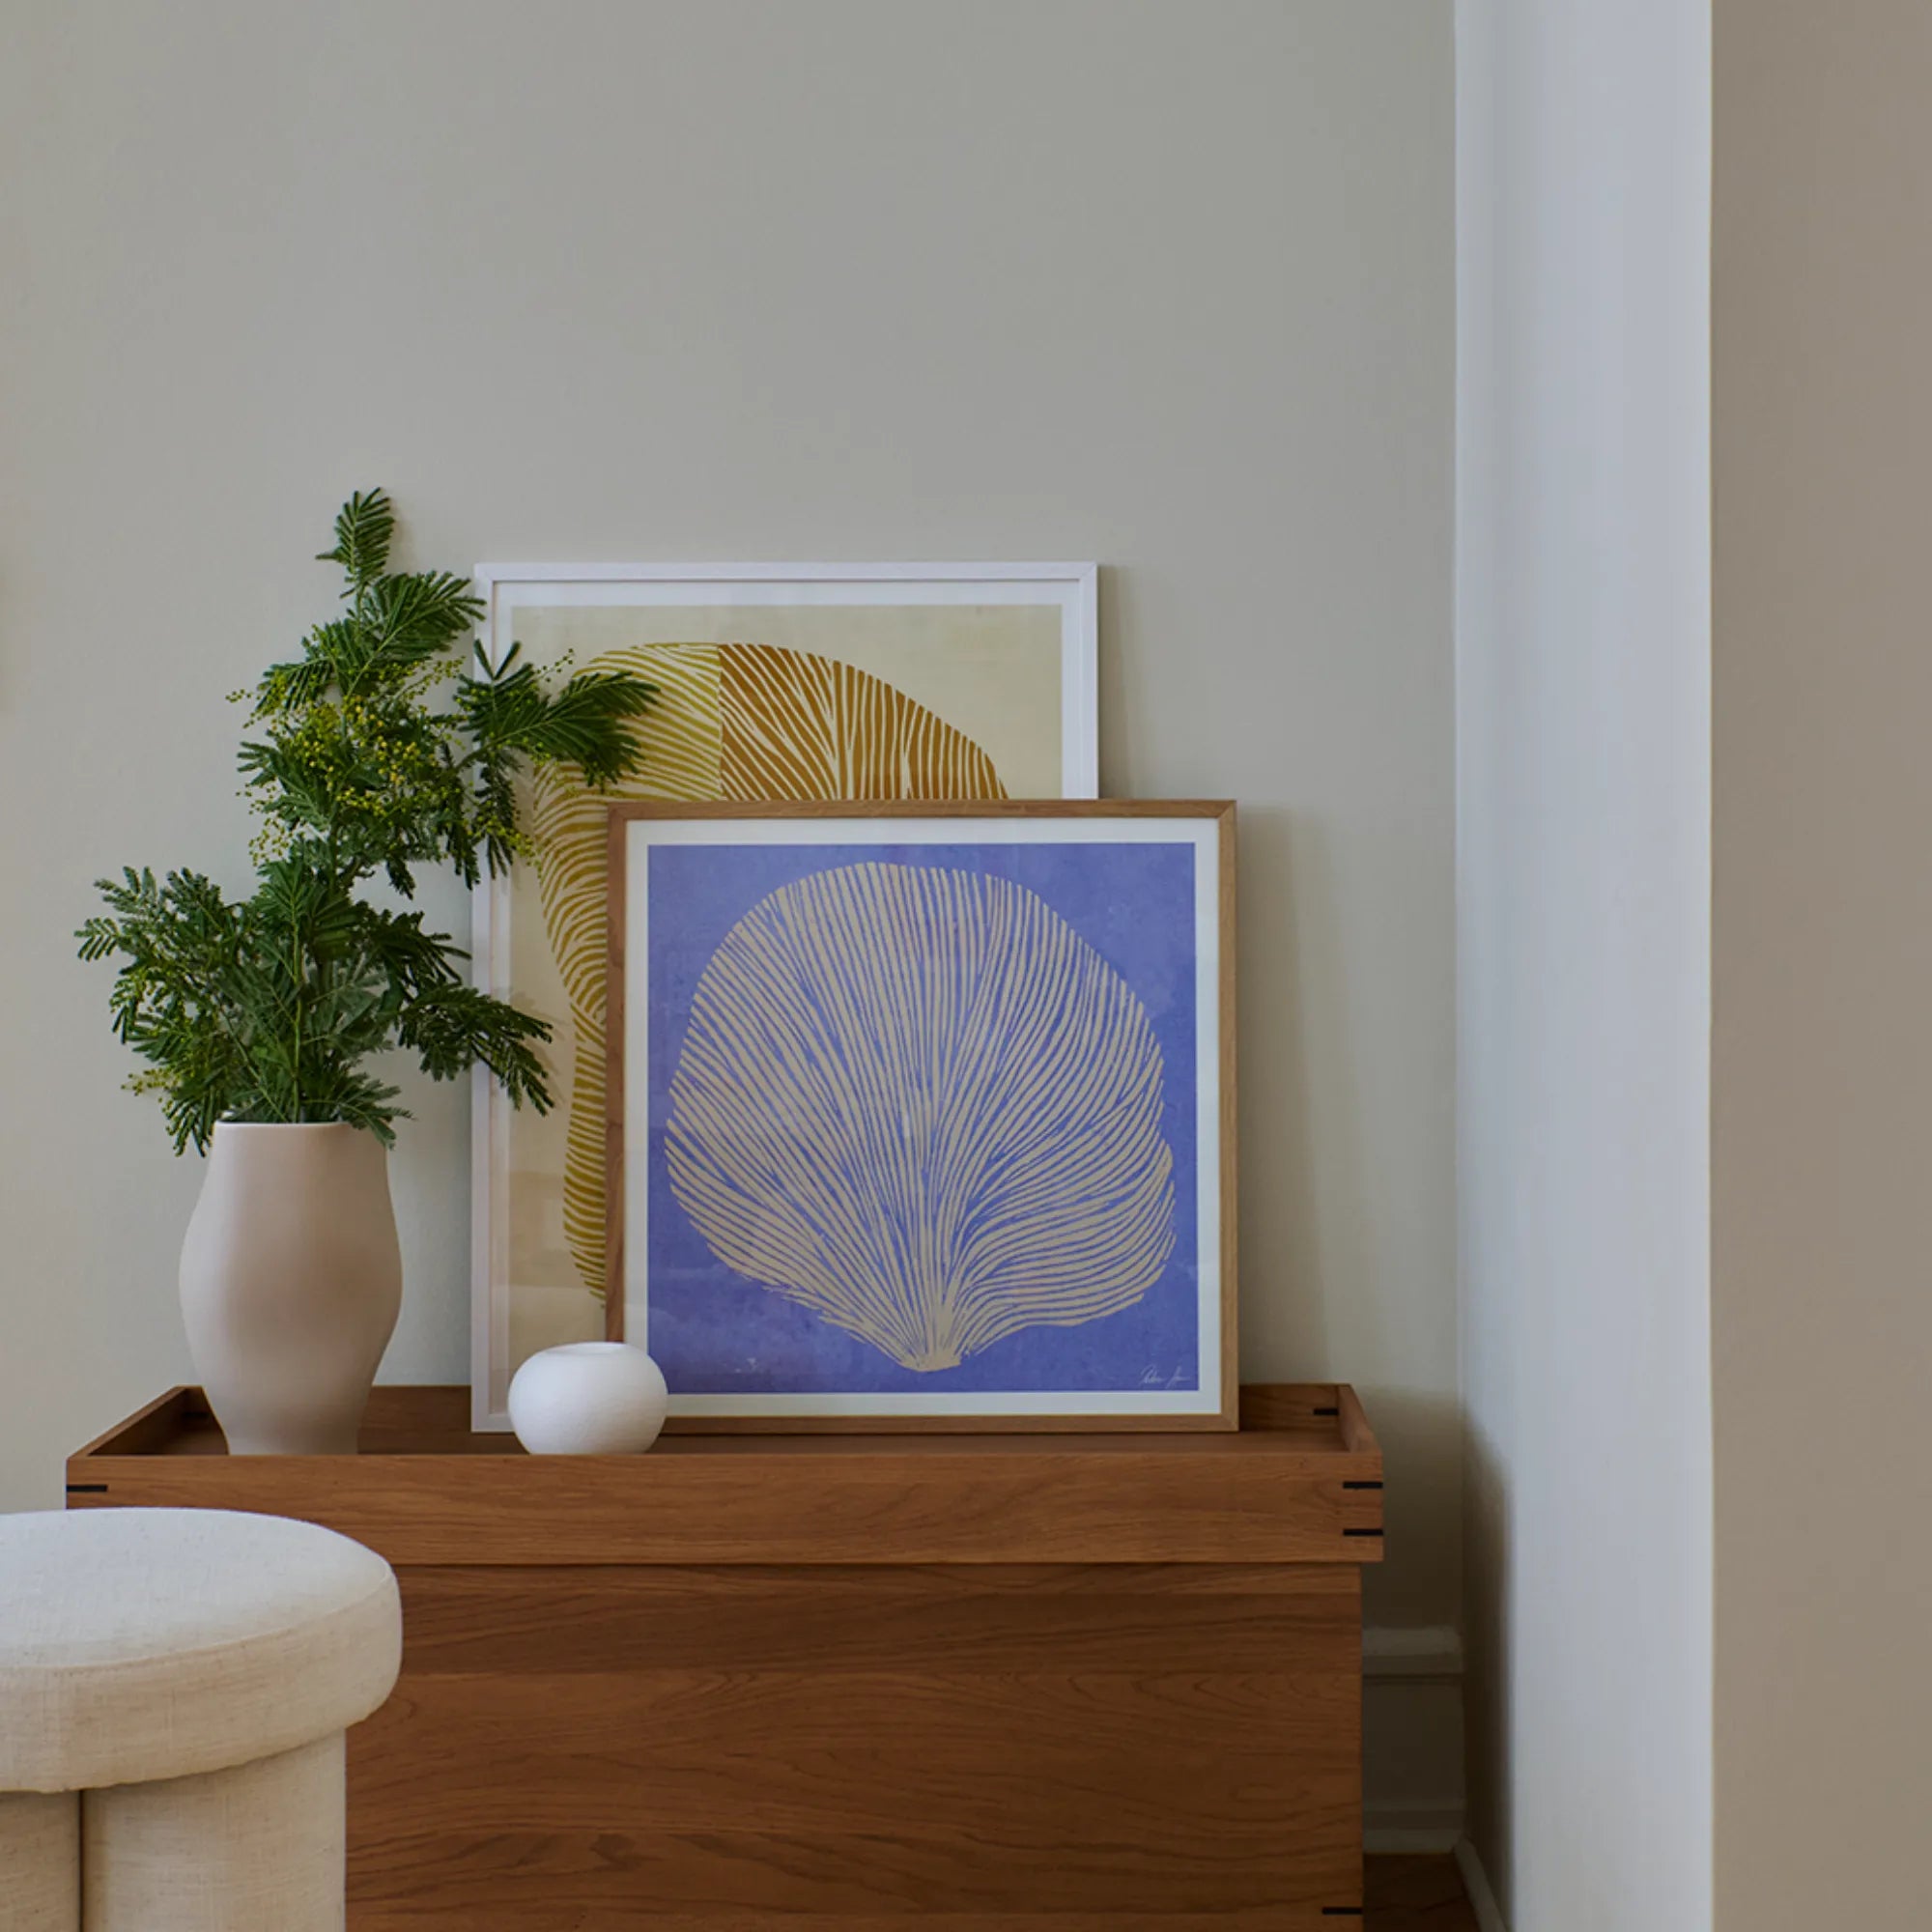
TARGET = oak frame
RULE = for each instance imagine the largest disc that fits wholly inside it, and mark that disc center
(1222, 814)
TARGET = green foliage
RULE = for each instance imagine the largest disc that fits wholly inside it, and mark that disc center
(267, 1010)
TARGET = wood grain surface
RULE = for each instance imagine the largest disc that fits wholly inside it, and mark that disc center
(1282, 1491)
(756, 1683)
(856, 1743)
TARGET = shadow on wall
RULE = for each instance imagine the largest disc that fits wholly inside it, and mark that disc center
(1413, 1724)
(1292, 1005)
(1486, 1712)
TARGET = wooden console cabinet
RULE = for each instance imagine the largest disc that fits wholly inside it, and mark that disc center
(842, 1684)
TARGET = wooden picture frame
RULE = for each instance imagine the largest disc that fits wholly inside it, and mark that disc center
(720, 911)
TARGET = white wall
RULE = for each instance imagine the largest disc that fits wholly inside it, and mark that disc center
(1583, 880)
(1169, 285)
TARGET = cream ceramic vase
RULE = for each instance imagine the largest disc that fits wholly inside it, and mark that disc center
(290, 1279)
(589, 1399)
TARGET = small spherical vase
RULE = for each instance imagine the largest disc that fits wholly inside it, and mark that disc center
(589, 1399)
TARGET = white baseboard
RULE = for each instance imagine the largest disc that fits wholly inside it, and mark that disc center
(1415, 1828)
(1412, 1739)
(1476, 1883)
(1408, 1650)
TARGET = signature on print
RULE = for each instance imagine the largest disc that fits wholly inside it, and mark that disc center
(1152, 1378)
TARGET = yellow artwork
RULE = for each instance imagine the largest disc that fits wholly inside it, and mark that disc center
(915, 1100)
(731, 722)
(875, 685)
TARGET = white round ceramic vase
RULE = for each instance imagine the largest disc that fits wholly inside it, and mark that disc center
(589, 1399)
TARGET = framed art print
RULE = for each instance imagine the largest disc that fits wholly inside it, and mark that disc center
(922, 1115)
(774, 682)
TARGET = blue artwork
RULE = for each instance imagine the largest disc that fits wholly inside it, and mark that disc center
(922, 1117)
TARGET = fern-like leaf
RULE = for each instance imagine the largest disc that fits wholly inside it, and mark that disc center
(363, 529)
(271, 1007)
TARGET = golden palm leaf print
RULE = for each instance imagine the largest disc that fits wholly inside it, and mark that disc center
(798, 726)
(740, 722)
(681, 736)
(914, 1100)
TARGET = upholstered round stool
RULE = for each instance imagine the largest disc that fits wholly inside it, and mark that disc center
(174, 1690)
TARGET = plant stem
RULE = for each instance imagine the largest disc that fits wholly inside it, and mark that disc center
(295, 1011)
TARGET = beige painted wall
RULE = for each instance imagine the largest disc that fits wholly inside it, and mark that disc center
(1166, 284)
(1822, 1211)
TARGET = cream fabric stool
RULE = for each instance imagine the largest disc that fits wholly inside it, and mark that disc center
(174, 1690)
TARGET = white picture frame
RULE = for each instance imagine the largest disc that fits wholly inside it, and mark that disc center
(1071, 589)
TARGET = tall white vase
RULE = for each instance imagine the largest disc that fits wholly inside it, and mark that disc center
(290, 1279)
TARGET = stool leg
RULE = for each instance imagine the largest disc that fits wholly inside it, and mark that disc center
(257, 1848)
(39, 1853)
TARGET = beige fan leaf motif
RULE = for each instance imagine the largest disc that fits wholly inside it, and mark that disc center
(916, 1100)
(731, 722)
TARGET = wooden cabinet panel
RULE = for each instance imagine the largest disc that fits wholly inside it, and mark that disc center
(1146, 1618)
(614, 1713)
